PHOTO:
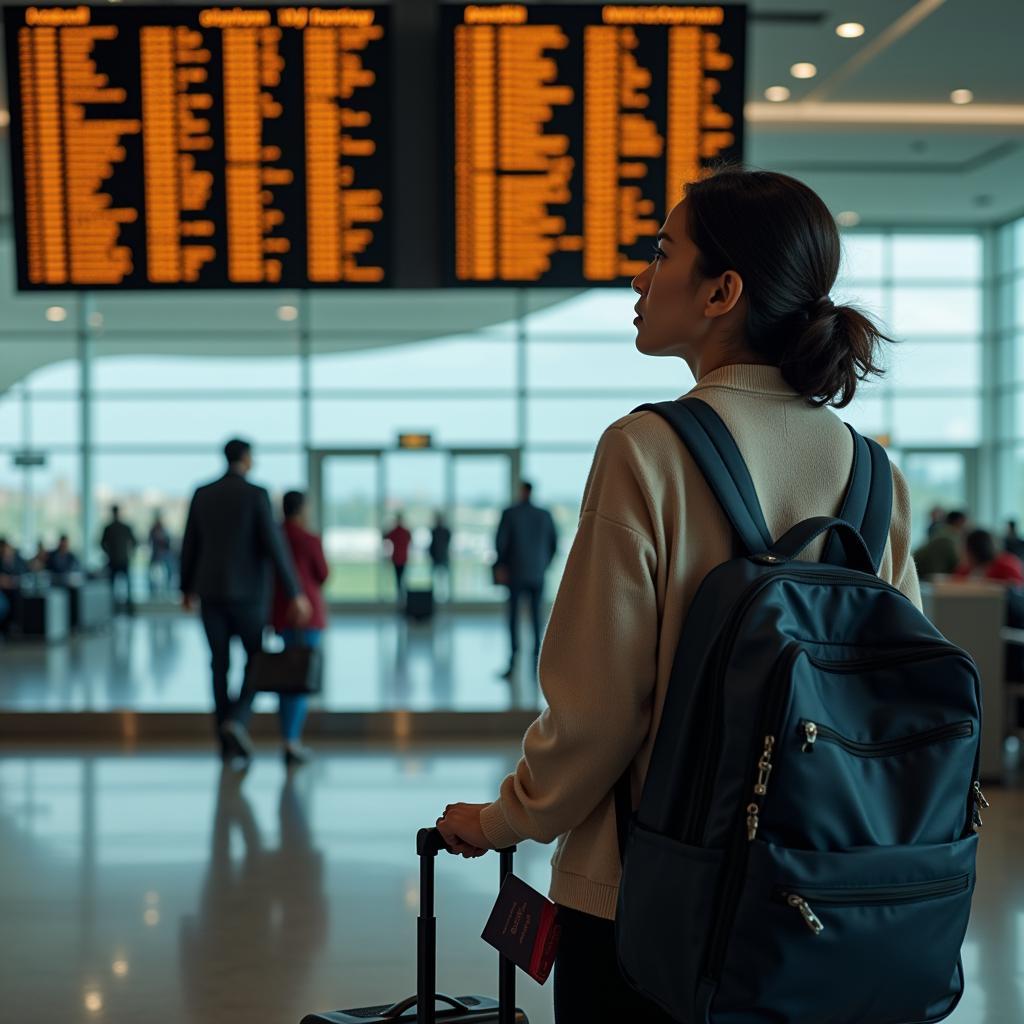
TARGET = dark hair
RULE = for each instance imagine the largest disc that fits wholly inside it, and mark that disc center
(779, 236)
(1011, 524)
(526, 486)
(981, 546)
(293, 503)
(956, 518)
(115, 510)
(236, 449)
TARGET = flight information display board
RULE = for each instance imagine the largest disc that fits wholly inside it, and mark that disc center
(199, 147)
(571, 131)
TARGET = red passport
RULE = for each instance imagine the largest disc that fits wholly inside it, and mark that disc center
(523, 926)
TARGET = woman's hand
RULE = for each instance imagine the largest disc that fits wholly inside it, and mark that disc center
(460, 828)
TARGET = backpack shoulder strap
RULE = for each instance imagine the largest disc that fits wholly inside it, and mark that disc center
(868, 501)
(713, 449)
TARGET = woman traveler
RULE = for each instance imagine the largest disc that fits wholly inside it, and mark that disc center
(311, 570)
(738, 287)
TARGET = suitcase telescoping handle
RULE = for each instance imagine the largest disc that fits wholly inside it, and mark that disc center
(429, 844)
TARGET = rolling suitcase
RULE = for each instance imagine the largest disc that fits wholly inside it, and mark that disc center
(455, 1010)
(419, 604)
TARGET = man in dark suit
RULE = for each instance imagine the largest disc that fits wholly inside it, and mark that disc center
(231, 543)
(526, 544)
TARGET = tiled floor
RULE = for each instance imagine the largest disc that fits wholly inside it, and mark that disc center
(160, 662)
(149, 887)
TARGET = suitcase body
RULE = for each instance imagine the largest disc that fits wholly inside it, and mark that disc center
(460, 1010)
(419, 604)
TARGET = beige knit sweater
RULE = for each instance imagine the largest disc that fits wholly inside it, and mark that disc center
(649, 532)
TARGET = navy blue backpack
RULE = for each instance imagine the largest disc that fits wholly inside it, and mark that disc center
(804, 848)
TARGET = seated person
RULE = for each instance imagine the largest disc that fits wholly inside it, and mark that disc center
(940, 554)
(12, 565)
(62, 560)
(37, 563)
(983, 561)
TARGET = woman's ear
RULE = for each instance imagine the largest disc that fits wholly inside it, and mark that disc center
(725, 293)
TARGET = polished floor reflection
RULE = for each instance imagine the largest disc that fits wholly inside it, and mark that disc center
(154, 887)
(160, 662)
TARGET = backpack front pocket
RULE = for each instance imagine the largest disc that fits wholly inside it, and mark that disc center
(870, 933)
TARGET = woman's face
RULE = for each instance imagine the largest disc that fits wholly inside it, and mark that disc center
(679, 311)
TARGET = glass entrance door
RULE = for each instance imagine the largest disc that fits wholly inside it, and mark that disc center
(349, 489)
(481, 485)
(358, 496)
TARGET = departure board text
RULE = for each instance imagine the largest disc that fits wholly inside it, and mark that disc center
(573, 130)
(200, 147)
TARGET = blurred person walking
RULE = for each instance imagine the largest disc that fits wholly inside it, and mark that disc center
(311, 571)
(399, 539)
(161, 557)
(440, 547)
(118, 544)
(526, 543)
(231, 543)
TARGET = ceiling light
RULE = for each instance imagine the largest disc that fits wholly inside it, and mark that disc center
(961, 96)
(850, 30)
(151, 917)
(96, 319)
(803, 70)
(5, 118)
(93, 1001)
(847, 219)
(776, 94)
(120, 967)
(287, 313)
(56, 314)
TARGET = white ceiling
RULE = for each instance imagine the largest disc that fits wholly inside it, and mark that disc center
(911, 172)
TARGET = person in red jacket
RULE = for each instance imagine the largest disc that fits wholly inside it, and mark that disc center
(983, 561)
(311, 571)
(399, 538)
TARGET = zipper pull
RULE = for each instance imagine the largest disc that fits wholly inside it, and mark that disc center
(980, 804)
(764, 767)
(810, 735)
(810, 917)
(753, 821)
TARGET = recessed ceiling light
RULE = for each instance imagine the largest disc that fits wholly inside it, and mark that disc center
(56, 314)
(961, 96)
(776, 94)
(850, 30)
(5, 118)
(847, 219)
(803, 70)
(120, 967)
(287, 313)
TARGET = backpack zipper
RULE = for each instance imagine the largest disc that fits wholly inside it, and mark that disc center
(873, 896)
(746, 828)
(692, 833)
(814, 733)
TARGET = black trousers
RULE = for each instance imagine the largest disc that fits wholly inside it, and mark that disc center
(516, 592)
(222, 622)
(588, 983)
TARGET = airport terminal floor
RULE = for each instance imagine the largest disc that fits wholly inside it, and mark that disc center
(152, 886)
